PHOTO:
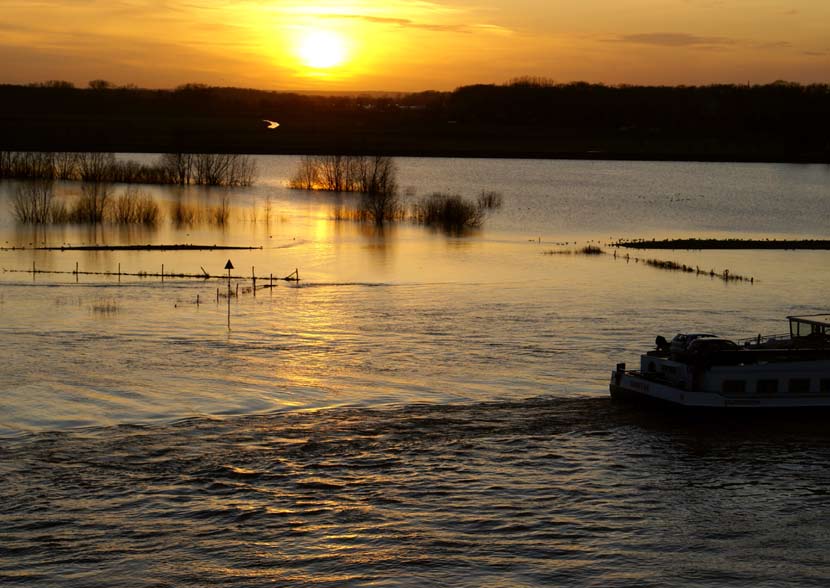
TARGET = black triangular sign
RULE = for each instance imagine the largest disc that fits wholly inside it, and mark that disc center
(229, 265)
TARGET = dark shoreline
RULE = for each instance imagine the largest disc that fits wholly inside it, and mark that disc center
(775, 123)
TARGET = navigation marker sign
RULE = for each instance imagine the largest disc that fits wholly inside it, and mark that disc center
(229, 267)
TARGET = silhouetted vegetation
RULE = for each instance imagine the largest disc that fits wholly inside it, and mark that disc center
(489, 200)
(585, 250)
(449, 211)
(184, 214)
(134, 207)
(346, 173)
(33, 202)
(98, 167)
(528, 117)
(92, 204)
(220, 214)
(375, 178)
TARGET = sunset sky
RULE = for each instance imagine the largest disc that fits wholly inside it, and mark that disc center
(413, 45)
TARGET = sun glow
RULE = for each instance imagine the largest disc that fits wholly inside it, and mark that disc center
(322, 49)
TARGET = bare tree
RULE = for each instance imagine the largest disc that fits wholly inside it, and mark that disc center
(66, 165)
(95, 167)
(307, 176)
(32, 201)
(178, 167)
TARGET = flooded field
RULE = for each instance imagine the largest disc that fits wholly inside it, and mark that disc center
(422, 407)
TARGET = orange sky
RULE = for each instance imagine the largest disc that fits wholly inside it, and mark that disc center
(413, 45)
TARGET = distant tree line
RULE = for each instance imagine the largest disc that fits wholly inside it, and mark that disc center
(103, 167)
(524, 117)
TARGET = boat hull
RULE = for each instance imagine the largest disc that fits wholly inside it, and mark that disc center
(633, 388)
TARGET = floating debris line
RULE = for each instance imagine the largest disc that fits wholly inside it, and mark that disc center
(725, 275)
(177, 247)
(292, 277)
(812, 244)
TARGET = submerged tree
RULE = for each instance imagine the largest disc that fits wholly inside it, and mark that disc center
(32, 202)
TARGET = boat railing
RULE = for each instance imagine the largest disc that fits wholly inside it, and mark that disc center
(767, 340)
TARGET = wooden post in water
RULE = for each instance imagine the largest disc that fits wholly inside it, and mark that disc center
(253, 280)
(33, 270)
(119, 272)
(76, 272)
(162, 273)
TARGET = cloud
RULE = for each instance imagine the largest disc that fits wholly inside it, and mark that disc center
(815, 53)
(675, 40)
(411, 24)
(775, 45)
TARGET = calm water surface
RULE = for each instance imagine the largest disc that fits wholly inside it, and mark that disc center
(424, 409)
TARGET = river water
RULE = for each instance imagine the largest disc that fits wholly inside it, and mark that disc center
(423, 409)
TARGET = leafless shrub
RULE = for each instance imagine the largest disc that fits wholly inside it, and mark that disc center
(448, 211)
(223, 169)
(307, 176)
(134, 207)
(59, 213)
(178, 167)
(488, 200)
(32, 202)
(92, 205)
(346, 173)
(65, 165)
(95, 167)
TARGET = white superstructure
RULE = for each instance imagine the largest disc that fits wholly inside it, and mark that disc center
(700, 370)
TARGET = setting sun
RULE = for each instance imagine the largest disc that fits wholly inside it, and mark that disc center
(322, 49)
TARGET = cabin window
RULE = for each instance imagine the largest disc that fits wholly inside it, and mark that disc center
(766, 387)
(733, 387)
(799, 386)
(824, 386)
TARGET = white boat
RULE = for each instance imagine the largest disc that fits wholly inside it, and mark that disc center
(704, 371)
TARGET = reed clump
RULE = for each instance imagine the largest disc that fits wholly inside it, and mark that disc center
(586, 250)
(184, 214)
(220, 214)
(134, 207)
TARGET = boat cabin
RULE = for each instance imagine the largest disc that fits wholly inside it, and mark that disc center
(813, 328)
